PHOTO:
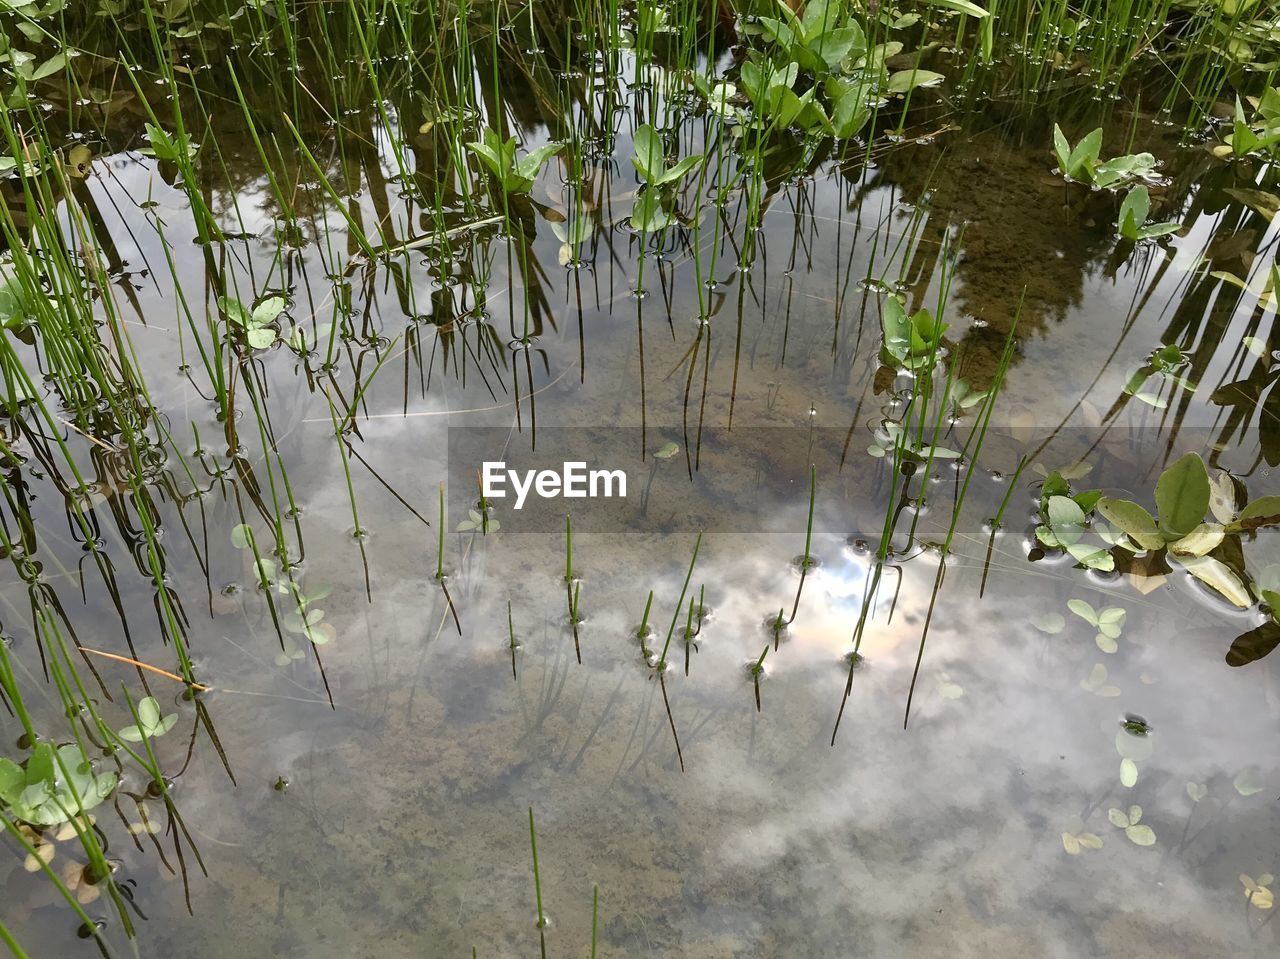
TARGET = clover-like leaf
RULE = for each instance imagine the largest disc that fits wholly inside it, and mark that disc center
(1083, 609)
(267, 310)
(1141, 835)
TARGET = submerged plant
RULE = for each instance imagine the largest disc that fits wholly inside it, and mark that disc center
(1257, 891)
(1073, 843)
(1109, 621)
(1138, 832)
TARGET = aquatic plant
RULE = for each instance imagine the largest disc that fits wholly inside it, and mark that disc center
(1074, 843)
(1109, 621)
(1258, 136)
(1164, 364)
(1258, 891)
(150, 722)
(1083, 163)
(652, 208)
(55, 784)
(911, 342)
(256, 325)
(514, 175)
(1131, 224)
(1138, 832)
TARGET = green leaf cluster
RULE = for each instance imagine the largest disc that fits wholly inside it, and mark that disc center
(1083, 162)
(514, 174)
(1258, 135)
(53, 785)
(257, 324)
(912, 342)
(150, 722)
(651, 210)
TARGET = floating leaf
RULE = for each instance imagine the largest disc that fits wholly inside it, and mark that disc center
(1264, 511)
(1073, 844)
(1182, 496)
(1218, 576)
(1128, 773)
(151, 723)
(904, 80)
(1111, 620)
(1253, 645)
(1134, 520)
(1197, 791)
(267, 310)
(1222, 498)
(1092, 557)
(1203, 539)
(667, 451)
(261, 337)
(241, 535)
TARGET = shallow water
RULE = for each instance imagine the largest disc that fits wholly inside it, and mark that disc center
(411, 745)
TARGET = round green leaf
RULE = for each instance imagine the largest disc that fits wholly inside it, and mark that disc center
(261, 337)
(149, 712)
(266, 311)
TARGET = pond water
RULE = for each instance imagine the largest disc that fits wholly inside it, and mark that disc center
(361, 784)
